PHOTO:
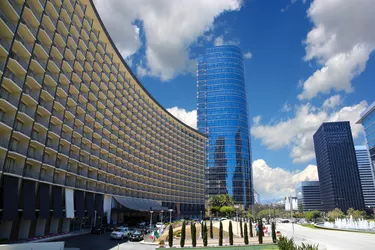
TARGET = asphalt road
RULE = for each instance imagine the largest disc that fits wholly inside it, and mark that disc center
(103, 242)
(329, 239)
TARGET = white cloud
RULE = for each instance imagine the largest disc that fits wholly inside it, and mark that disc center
(297, 133)
(341, 41)
(257, 119)
(221, 41)
(278, 182)
(170, 27)
(286, 107)
(248, 55)
(332, 102)
(187, 117)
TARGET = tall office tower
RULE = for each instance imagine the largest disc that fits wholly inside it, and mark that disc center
(80, 136)
(223, 116)
(368, 122)
(308, 196)
(366, 173)
(339, 180)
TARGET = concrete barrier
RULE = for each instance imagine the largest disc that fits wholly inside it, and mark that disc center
(35, 246)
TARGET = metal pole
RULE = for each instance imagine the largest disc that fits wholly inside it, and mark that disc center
(95, 219)
(237, 219)
(170, 216)
(151, 219)
(291, 212)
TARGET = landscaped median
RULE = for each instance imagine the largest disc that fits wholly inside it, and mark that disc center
(248, 247)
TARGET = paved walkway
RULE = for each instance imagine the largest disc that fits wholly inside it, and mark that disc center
(329, 239)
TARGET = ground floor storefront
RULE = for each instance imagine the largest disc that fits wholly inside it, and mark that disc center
(32, 209)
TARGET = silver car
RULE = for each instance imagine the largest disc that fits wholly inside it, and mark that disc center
(120, 233)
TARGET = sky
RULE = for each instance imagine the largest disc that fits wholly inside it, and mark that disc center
(306, 62)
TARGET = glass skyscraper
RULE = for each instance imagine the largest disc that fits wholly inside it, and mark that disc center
(366, 173)
(223, 116)
(368, 122)
(339, 180)
(308, 196)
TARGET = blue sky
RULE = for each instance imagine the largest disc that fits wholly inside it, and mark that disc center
(311, 61)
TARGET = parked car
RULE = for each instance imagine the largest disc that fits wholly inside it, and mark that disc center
(131, 230)
(110, 227)
(159, 224)
(120, 233)
(136, 235)
(98, 229)
(221, 219)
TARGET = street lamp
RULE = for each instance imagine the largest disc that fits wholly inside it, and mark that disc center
(201, 216)
(161, 216)
(170, 215)
(236, 207)
(151, 219)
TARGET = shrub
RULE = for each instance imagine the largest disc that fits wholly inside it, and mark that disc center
(246, 235)
(285, 244)
(170, 236)
(205, 242)
(260, 231)
(193, 235)
(211, 230)
(273, 232)
(221, 234)
(288, 244)
(182, 240)
(251, 228)
(230, 233)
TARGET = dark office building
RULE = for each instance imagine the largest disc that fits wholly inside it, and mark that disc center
(340, 184)
(308, 196)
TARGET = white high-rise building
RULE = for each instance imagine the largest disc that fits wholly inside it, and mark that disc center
(367, 175)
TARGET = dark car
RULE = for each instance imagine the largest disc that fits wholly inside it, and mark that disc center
(110, 228)
(136, 235)
(98, 229)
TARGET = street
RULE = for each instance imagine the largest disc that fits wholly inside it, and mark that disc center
(329, 239)
(103, 242)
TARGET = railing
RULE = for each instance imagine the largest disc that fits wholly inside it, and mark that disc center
(9, 97)
(10, 23)
(29, 110)
(16, 7)
(13, 169)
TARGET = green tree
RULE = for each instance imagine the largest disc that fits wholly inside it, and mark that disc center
(356, 214)
(251, 228)
(273, 232)
(211, 230)
(230, 233)
(205, 235)
(226, 210)
(334, 214)
(241, 228)
(202, 228)
(194, 235)
(221, 234)
(246, 235)
(170, 236)
(260, 230)
(183, 234)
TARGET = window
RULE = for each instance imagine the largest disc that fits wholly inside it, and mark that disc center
(18, 126)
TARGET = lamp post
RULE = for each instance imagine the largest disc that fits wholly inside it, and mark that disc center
(236, 207)
(151, 219)
(161, 216)
(170, 215)
(201, 216)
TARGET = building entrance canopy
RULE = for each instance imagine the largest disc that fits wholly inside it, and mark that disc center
(140, 204)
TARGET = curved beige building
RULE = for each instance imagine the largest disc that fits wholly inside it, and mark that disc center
(80, 136)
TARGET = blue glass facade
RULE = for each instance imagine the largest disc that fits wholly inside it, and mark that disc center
(368, 122)
(223, 116)
(339, 179)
